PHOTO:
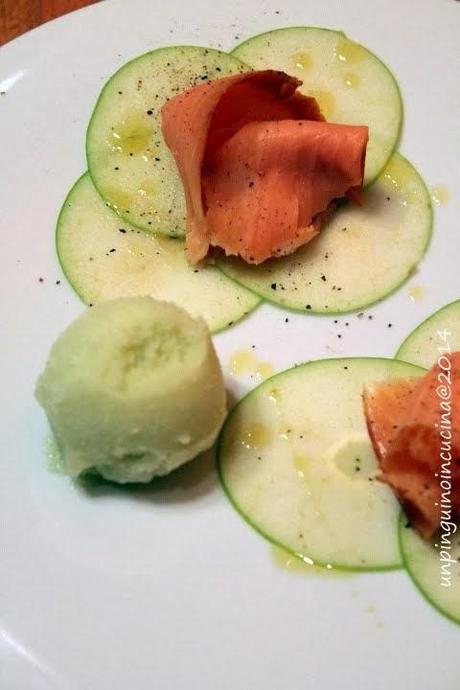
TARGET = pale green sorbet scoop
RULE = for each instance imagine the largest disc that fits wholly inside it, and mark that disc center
(133, 388)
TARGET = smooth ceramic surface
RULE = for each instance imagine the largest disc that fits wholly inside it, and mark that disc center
(167, 587)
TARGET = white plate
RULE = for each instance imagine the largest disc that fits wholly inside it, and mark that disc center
(169, 589)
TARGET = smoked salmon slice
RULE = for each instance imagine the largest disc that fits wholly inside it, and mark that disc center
(414, 426)
(259, 165)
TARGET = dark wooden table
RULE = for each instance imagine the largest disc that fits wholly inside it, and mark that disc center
(19, 16)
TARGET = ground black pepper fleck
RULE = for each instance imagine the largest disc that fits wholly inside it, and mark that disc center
(273, 286)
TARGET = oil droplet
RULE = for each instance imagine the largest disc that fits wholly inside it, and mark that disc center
(287, 561)
(284, 433)
(146, 188)
(326, 101)
(132, 135)
(303, 564)
(255, 436)
(417, 293)
(301, 465)
(397, 173)
(274, 396)
(352, 80)
(398, 176)
(243, 362)
(302, 61)
(349, 51)
(118, 199)
(440, 194)
(372, 611)
(264, 370)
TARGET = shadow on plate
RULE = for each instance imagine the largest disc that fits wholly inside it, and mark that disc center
(190, 482)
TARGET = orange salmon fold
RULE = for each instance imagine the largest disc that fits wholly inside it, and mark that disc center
(415, 431)
(259, 165)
